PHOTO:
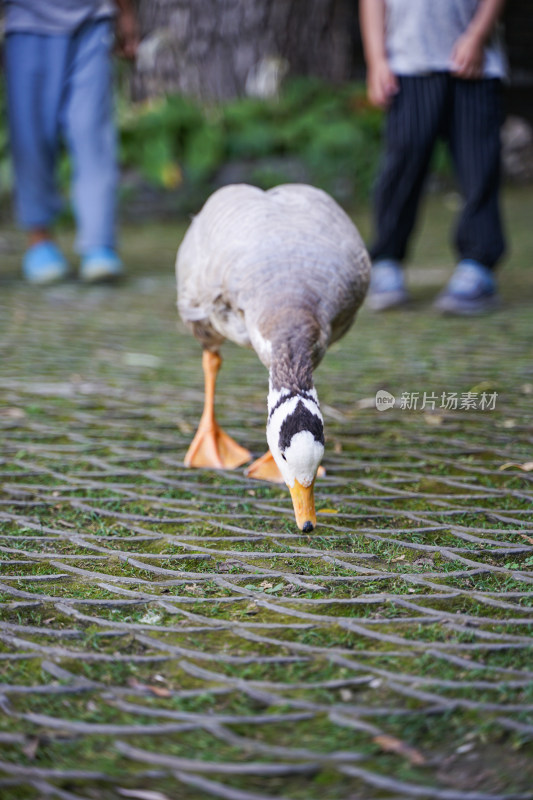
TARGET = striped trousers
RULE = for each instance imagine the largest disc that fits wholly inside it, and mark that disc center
(467, 115)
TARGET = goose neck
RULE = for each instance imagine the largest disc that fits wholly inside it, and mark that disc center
(291, 366)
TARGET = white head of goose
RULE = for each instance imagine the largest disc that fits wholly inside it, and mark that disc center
(283, 271)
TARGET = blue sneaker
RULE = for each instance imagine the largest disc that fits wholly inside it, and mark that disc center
(44, 263)
(100, 264)
(471, 290)
(387, 286)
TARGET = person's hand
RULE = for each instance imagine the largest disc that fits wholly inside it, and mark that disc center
(382, 84)
(467, 57)
(127, 33)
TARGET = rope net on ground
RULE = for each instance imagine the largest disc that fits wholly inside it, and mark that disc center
(171, 631)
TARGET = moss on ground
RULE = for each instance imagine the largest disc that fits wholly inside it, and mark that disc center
(130, 586)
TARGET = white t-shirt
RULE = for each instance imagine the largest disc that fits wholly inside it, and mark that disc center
(420, 35)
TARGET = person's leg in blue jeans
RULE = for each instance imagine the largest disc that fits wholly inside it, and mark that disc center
(89, 131)
(34, 78)
(62, 86)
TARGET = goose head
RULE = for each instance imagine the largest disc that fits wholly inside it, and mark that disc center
(295, 435)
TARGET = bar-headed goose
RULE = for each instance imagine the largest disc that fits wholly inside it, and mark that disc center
(282, 271)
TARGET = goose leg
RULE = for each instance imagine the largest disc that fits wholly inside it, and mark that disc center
(211, 446)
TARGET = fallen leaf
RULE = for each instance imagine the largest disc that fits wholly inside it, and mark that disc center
(398, 558)
(13, 413)
(159, 691)
(465, 748)
(527, 538)
(31, 747)
(484, 386)
(142, 794)
(433, 419)
(278, 587)
(366, 402)
(327, 511)
(526, 467)
(151, 617)
(390, 744)
(171, 175)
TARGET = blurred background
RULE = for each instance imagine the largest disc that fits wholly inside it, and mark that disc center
(264, 93)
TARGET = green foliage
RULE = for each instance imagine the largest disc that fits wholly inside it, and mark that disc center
(313, 132)
(5, 170)
(329, 135)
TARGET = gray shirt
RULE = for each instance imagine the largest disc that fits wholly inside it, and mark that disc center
(420, 36)
(51, 17)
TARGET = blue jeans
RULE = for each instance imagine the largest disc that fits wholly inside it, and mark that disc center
(60, 88)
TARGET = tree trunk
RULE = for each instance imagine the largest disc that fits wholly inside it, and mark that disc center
(217, 49)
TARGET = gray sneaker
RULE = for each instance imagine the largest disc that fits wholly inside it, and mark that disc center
(471, 290)
(387, 286)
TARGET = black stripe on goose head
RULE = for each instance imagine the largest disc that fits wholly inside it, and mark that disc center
(301, 419)
(288, 396)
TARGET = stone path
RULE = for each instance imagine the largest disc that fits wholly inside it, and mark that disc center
(168, 633)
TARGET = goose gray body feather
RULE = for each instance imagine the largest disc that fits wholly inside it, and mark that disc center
(276, 270)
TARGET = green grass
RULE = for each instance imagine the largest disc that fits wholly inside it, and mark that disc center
(376, 598)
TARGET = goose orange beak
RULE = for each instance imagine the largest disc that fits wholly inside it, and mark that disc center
(303, 501)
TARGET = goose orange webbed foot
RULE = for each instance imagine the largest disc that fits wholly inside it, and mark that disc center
(213, 447)
(266, 469)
